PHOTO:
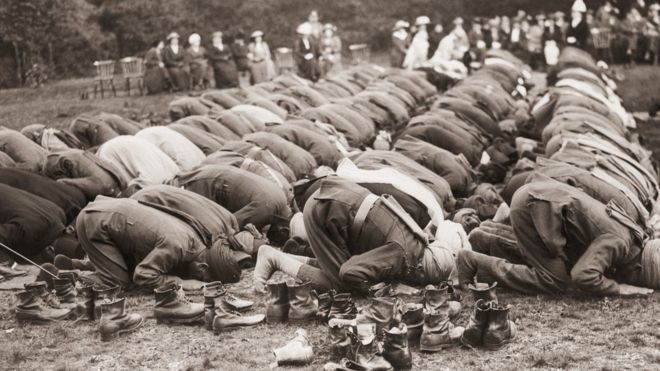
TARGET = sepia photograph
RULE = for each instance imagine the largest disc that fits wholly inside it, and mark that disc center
(337, 185)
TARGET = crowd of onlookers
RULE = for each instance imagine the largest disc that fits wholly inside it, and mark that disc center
(609, 34)
(232, 61)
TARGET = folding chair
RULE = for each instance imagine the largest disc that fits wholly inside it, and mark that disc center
(105, 73)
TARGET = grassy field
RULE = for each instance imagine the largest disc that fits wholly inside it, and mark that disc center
(568, 332)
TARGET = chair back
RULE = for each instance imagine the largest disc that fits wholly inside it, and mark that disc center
(105, 70)
(132, 67)
(360, 53)
(284, 59)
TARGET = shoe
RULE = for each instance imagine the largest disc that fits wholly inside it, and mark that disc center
(340, 341)
(226, 320)
(7, 271)
(172, 306)
(395, 348)
(473, 334)
(325, 303)
(376, 363)
(380, 290)
(85, 304)
(213, 291)
(115, 321)
(31, 308)
(482, 291)
(500, 331)
(103, 294)
(380, 311)
(40, 288)
(278, 303)
(303, 306)
(342, 307)
(297, 351)
(412, 314)
(438, 332)
(65, 290)
(436, 297)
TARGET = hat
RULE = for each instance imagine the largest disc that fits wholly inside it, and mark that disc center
(422, 20)
(222, 263)
(330, 26)
(654, 7)
(579, 6)
(400, 24)
(257, 33)
(194, 38)
(559, 14)
(173, 35)
(651, 264)
(304, 29)
(458, 20)
(217, 34)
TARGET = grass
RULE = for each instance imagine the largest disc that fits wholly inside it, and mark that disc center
(570, 332)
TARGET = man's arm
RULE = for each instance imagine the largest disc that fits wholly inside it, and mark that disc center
(377, 265)
(588, 274)
(152, 270)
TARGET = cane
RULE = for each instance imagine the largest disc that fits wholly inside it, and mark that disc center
(28, 260)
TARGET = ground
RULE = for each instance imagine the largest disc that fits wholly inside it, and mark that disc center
(568, 332)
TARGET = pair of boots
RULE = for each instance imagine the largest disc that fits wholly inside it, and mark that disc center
(382, 311)
(298, 351)
(346, 342)
(489, 326)
(36, 304)
(375, 363)
(335, 306)
(102, 303)
(438, 332)
(172, 306)
(295, 303)
(221, 309)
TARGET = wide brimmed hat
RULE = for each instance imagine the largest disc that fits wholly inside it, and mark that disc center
(194, 38)
(400, 24)
(579, 6)
(422, 20)
(222, 263)
(304, 29)
(257, 33)
(458, 20)
(173, 35)
(330, 26)
(217, 34)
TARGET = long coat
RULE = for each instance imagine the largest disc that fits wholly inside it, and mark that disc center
(175, 64)
(224, 67)
(307, 59)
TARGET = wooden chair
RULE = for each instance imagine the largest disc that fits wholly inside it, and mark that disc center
(360, 53)
(284, 60)
(105, 73)
(133, 69)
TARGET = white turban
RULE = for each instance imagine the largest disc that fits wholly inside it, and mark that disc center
(651, 264)
(194, 39)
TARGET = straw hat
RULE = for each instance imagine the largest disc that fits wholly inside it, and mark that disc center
(194, 38)
(304, 29)
(422, 20)
(257, 33)
(173, 35)
(400, 24)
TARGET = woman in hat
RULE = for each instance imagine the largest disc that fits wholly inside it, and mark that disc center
(419, 47)
(174, 60)
(330, 50)
(196, 56)
(261, 64)
(306, 53)
(400, 40)
(222, 62)
(578, 31)
(240, 51)
(155, 76)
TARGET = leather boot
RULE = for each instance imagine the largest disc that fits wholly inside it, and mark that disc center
(115, 321)
(437, 297)
(31, 308)
(438, 333)
(325, 303)
(342, 307)
(379, 311)
(40, 288)
(376, 363)
(85, 305)
(340, 341)
(212, 292)
(297, 351)
(103, 295)
(227, 320)
(482, 291)
(473, 334)
(278, 303)
(303, 306)
(380, 289)
(500, 331)
(172, 306)
(395, 348)
(413, 317)
(65, 291)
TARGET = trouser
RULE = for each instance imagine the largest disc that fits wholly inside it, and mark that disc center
(497, 240)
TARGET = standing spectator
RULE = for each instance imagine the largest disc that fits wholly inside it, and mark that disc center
(517, 38)
(261, 64)
(435, 37)
(196, 56)
(400, 39)
(535, 38)
(653, 32)
(306, 52)
(419, 46)
(504, 26)
(578, 31)
(175, 62)
(316, 25)
(155, 73)
(330, 50)
(240, 51)
(222, 62)
(463, 42)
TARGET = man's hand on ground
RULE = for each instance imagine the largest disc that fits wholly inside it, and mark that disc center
(629, 290)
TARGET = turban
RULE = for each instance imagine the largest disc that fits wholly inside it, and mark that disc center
(651, 264)
(222, 264)
(438, 263)
(248, 241)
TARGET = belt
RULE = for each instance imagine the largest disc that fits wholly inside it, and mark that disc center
(361, 215)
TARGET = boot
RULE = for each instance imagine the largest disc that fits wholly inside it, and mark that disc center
(103, 295)
(65, 291)
(380, 289)
(500, 331)
(438, 333)
(31, 308)
(342, 307)
(473, 334)
(380, 311)
(85, 305)
(340, 341)
(325, 303)
(278, 304)
(437, 297)
(172, 306)
(376, 363)
(226, 320)
(40, 288)
(303, 306)
(395, 348)
(482, 291)
(115, 321)
(216, 295)
(298, 351)
(413, 317)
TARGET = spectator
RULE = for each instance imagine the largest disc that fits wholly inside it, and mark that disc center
(535, 39)
(240, 52)
(435, 37)
(222, 62)
(517, 38)
(315, 23)
(419, 46)
(330, 50)
(196, 56)
(155, 74)
(400, 39)
(306, 52)
(175, 61)
(261, 64)
(578, 31)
